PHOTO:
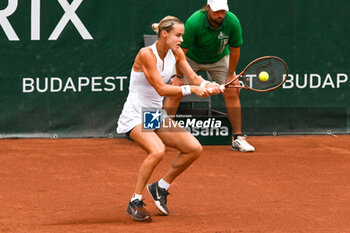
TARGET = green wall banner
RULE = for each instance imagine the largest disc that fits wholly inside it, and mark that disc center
(65, 64)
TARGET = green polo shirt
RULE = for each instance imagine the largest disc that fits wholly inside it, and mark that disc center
(204, 44)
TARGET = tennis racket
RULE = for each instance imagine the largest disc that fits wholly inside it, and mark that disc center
(262, 75)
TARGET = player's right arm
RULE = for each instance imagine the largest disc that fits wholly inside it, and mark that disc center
(146, 62)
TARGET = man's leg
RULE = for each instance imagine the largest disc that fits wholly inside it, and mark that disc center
(233, 109)
(219, 72)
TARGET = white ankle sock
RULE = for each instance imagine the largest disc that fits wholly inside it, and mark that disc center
(136, 196)
(163, 184)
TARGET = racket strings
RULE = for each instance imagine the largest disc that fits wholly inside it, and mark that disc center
(275, 68)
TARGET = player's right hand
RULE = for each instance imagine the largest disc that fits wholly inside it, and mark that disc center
(200, 91)
(214, 88)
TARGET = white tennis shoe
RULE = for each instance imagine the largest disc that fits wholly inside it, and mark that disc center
(241, 144)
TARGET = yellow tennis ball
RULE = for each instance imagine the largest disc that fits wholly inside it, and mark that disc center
(264, 76)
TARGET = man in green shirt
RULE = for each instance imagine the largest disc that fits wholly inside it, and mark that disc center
(212, 41)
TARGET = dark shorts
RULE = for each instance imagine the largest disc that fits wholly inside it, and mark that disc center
(128, 133)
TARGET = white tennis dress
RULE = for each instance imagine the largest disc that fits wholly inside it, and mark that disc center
(142, 95)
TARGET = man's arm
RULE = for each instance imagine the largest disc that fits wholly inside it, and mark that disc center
(234, 58)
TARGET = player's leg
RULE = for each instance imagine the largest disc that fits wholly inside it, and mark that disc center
(190, 150)
(182, 140)
(153, 145)
(155, 148)
(219, 73)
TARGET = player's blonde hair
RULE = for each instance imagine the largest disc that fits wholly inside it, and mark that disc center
(167, 24)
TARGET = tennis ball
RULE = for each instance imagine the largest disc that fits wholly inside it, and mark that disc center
(264, 76)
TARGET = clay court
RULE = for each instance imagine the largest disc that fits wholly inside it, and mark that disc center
(290, 184)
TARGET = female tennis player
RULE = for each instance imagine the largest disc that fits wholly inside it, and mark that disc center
(152, 69)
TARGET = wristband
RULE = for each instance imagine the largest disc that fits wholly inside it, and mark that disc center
(204, 83)
(186, 90)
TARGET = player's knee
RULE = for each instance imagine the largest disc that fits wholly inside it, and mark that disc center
(157, 153)
(196, 151)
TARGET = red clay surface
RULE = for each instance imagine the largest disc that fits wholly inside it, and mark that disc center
(290, 184)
